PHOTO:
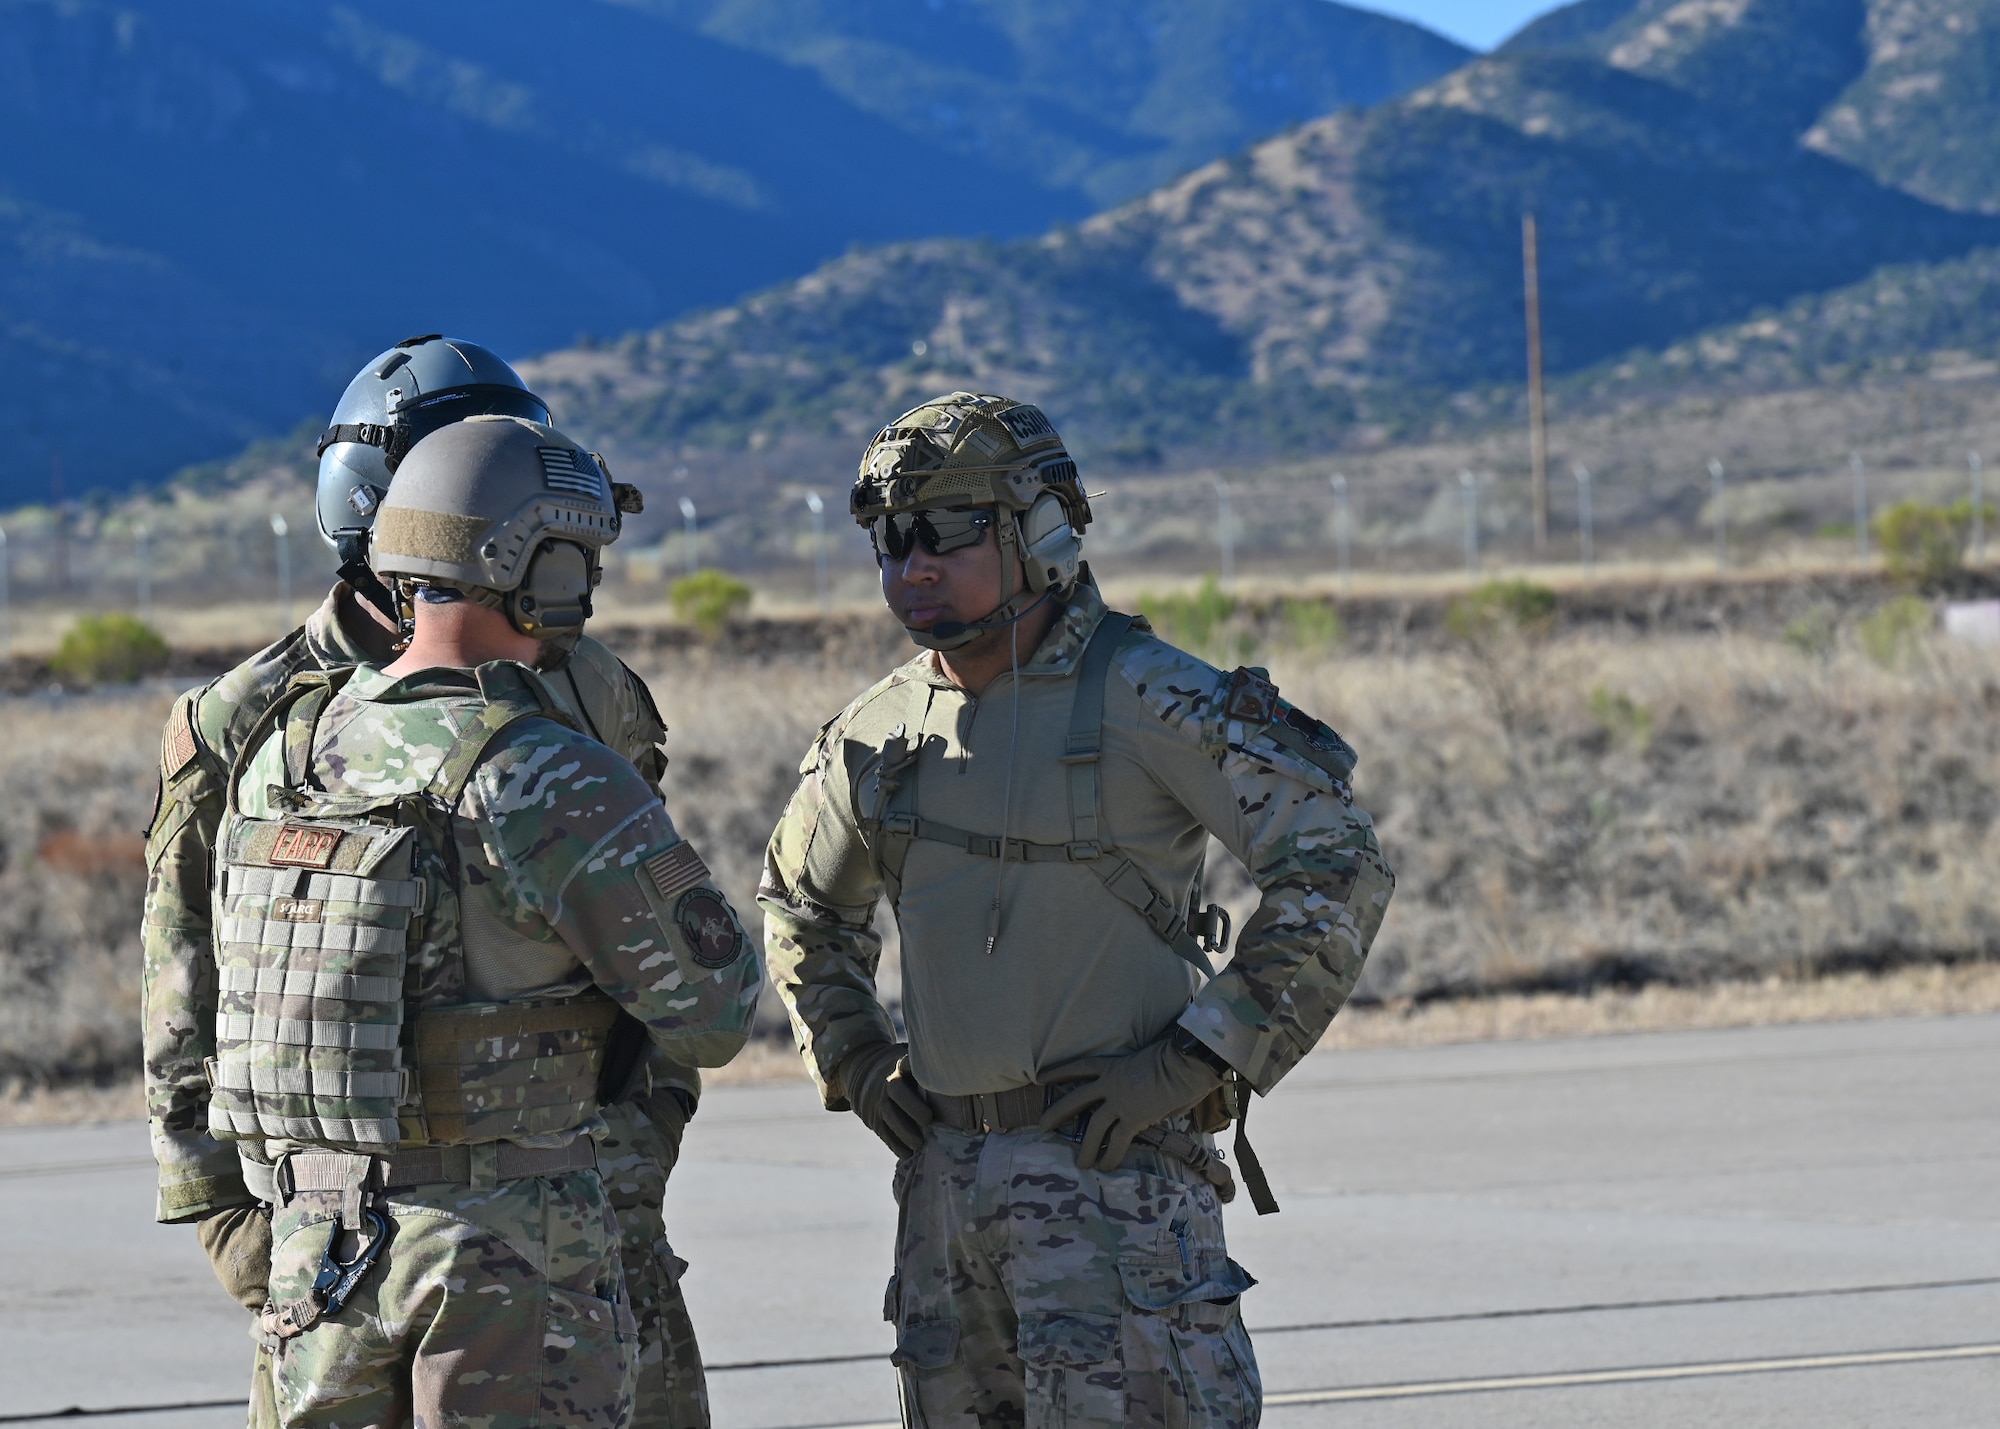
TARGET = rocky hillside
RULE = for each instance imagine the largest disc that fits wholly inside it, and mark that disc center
(211, 214)
(1357, 276)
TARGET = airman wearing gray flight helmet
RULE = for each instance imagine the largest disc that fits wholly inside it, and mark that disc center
(405, 393)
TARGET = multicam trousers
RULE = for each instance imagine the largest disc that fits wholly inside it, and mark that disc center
(500, 1307)
(635, 1159)
(670, 1390)
(1031, 1293)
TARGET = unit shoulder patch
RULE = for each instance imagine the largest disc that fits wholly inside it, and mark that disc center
(1252, 697)
(674, 871)
(712, 932)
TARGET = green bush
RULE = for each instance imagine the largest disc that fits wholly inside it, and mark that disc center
(1312, 626)
(709, 600)
(1203, 622)
(1517, 605)
(1622, 716)
(1924, 544)
(1812, 633)
(1890, 634)
(109, 650)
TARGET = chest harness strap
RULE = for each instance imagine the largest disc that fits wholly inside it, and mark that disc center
(895, 824)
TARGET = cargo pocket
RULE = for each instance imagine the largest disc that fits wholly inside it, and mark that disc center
(1075, 1370)
(588, 1352)
(923, 1348)
(1190, 1355)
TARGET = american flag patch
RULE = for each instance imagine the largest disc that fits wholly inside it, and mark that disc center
(676, 870)
(177, 745)
(569, 470)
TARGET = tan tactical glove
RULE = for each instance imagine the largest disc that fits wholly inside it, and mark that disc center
(1130, 1094)
(885, 1095)
(667, 1109)
(238, 1242)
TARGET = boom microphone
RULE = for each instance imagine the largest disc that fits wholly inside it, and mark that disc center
(952, 629)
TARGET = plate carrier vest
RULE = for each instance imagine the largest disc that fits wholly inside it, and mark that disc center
(341, 966)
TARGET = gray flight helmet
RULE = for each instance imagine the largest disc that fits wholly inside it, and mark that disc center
(417, 386)
(508, 512)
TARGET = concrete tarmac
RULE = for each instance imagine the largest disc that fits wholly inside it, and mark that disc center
(1765, 1227)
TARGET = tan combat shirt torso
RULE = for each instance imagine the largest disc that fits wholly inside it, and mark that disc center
(1075, 971)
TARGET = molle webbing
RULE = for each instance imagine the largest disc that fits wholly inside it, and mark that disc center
(895, 828)
(511, 1069)
(338, 935)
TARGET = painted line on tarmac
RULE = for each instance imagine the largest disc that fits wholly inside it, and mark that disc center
(1641, 1375)
(49, 1416)
(65, 1168)
(1462, 1317)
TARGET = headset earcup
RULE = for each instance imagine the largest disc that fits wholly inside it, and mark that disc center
(1050, 547)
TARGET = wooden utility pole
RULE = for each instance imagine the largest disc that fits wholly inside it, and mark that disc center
(1538, 426)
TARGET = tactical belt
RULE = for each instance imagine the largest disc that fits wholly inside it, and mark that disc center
(302, 1171)
(1019, 1108)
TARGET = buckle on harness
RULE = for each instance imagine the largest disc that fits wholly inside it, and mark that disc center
(1083, 850)
(904, 825)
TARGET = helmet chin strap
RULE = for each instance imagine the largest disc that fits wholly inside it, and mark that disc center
(948, 635)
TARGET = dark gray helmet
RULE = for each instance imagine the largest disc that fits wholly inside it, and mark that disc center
(417, 386)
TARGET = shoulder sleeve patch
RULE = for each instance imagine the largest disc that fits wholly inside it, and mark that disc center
(177, 743)
(1252, 698)
(674, 871)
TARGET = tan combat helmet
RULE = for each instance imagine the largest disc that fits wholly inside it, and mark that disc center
(971, 449)
(508, 512)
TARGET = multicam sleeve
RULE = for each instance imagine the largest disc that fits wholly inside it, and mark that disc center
(819, 893)
(197, 1173)
(584, 845)
(1271, 782)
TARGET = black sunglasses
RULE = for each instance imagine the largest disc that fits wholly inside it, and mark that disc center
(938, 532)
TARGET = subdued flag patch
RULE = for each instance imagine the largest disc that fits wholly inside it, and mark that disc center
(177, 746)
(674, 871)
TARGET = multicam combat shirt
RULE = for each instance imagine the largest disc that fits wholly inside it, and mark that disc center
(1075, 971)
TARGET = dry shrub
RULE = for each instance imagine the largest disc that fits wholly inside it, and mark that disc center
(76, 780)
(1564, 813)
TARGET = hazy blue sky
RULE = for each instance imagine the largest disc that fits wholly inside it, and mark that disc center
(1479, 23)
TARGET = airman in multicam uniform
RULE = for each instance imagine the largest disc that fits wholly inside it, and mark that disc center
(401, 395)
(1033, 795)
(201, 1173)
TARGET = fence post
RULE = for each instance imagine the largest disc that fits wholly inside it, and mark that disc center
(1586, 554)
(1860, 504)
(1978, 506)
(280, 536)
(1225, 533)
(688, 549)
(142, 551)
(818, 509)
(1343, 523)
(6, 603)
(1721, 521)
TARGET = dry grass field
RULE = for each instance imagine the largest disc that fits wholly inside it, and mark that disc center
(1591, 830)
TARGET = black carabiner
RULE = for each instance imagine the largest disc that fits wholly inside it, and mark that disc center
(337, 1278)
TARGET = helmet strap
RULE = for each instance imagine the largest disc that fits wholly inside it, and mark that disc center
(352, 548)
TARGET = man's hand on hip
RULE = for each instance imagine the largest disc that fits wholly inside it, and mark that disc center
(1125, 1095)
(885, 1095)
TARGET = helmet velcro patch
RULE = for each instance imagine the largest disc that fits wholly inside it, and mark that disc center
(566, 469)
